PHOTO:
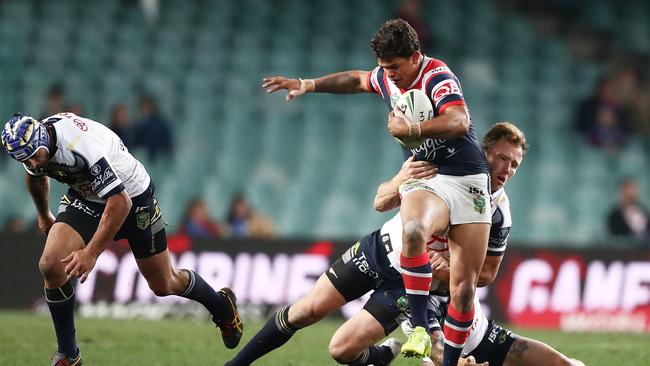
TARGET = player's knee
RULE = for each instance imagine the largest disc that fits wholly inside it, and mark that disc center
(413, 233)
(463, 296)
(342, 352)
(50, 266)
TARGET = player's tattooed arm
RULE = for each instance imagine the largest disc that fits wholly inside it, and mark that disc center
(39, 189)
(342, 82)
(519, 347)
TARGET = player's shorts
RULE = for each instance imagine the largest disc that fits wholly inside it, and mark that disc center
(365, 267)
(143, 228)
(468, 196)
(494, 346)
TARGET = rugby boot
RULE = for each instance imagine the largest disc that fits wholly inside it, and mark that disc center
(418, 345)
(59, 359)
(231, 325)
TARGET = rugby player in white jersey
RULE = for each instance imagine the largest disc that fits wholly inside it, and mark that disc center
(457, 198)
(110, 197)
(372, 264)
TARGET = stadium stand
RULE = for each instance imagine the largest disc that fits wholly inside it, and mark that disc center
(313, 164)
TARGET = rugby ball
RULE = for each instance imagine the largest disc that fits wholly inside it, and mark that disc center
(417, 108)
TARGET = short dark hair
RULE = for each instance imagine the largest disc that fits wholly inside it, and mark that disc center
(507, 131)
(395, 38)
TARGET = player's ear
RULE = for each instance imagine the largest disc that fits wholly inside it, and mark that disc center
(415, 57)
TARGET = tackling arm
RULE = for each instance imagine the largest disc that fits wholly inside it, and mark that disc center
(387, 197)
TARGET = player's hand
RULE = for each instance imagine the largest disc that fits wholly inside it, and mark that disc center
(79, 263)
(412, 169)
(439, 262)
(45, 223)
(398, 124)
(470, 361)
(275, 83)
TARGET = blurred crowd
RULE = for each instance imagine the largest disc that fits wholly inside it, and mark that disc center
(149, 135)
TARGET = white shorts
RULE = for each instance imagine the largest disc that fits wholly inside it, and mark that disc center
(467, 196)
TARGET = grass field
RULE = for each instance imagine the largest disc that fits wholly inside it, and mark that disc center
(28, 339)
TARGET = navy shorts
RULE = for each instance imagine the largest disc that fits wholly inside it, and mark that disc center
(365, 267)
(143, 228)
(494, 346)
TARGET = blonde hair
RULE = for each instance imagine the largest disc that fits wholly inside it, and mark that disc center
(507, 131)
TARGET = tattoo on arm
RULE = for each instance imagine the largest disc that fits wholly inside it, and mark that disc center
(519, 347)
(342, 82)
(456, 122)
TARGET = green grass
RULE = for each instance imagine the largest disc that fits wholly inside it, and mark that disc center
(28, 339)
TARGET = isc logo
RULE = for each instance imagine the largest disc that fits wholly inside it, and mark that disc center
(474, 190)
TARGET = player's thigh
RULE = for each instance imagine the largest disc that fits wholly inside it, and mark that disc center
(61, 240)
(468, 246)
(356, 334)
(321, 300)
(529, 352)
(425, 209)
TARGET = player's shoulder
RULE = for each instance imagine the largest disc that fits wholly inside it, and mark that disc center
(502, 203)
(500, 198)
(435, 66)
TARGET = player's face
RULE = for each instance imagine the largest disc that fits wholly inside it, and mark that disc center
(401, 70)
(504, 159)
(38, 160)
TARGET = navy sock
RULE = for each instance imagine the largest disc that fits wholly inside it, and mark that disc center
(199, 290)
(61, 301)
(276, 332)
(374, 355)
(457, 325)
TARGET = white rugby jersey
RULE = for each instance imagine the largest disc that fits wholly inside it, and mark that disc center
(499, 231)
(92, 160)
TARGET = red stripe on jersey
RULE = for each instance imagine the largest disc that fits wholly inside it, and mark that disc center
(416, 283)
(369, 82)
(456, 336)
(410, 262)
(449, 104)
(429, 65)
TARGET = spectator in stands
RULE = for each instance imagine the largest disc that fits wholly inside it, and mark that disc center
(15, 225)
(245, 222)
(411, 11)
(152, 131)
(54, 100)
(629, 218)
(121, 124)
(601, 118)
(197, 222)
(75, 108)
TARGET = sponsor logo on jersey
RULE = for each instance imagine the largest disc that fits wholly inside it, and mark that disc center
(95, 169)
(443, 89)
